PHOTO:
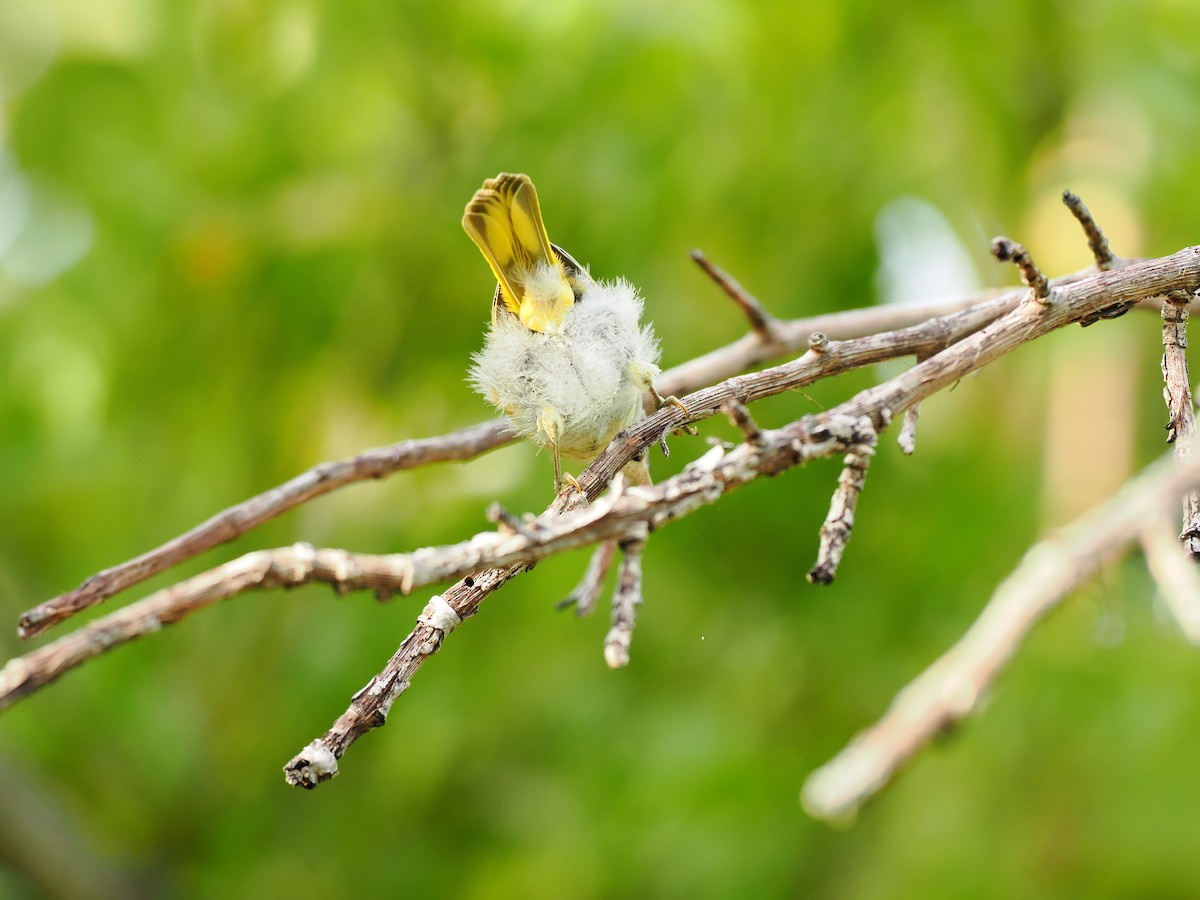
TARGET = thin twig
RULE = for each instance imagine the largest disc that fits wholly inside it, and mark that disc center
(497, 514)
(701, 482)
(1177, 393)
(237, 520)
(260, 570)
(1097, 242)
(369, 708)
(1006, 250)
(587, 592)
(740, 416)
(626, 599)
(952, 687)
(487, 558)
(1105, 258)
(762, 322)
(835, 532)
(907, 439)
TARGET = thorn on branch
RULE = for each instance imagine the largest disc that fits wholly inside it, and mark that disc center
(626, 599)
(584, 597)
(1097, 242)
(835, 532)
(1006, 250)
(761, 321)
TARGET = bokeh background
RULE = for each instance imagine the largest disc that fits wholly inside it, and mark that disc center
(230, 249)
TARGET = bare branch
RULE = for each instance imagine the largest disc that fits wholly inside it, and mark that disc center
(907, 439)
(971, 338)
(762, 323)
(584, 597)
(952, 687)
(703, 481)
(1177, 392)
(741, 418)
(524, 544)
(507, 521)
(262, 569)
(466, 444)
(962, 355)
(1006, 250)
(237, 520)
(1097, 242)
(1086, 294)
(620, 515)
(626, 600)
(793, 336)
(369, 708)
(835, 532)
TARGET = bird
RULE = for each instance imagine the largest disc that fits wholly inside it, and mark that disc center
(566, 357)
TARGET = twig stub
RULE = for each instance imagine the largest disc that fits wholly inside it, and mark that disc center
(1006, 250)
(835, 532)
(907, 439)
(584, 597)
(626, 600)
(1181, 411)
(1097, 242)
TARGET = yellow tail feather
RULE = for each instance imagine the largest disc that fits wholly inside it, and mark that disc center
(505, 222)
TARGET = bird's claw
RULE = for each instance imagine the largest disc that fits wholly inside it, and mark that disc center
(672, 400)
(568, 480)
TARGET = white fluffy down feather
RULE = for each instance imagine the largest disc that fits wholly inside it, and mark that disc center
(577, 387)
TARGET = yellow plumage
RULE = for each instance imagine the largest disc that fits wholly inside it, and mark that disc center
(505, 221)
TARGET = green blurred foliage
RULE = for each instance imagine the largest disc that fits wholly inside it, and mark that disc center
(230, 248)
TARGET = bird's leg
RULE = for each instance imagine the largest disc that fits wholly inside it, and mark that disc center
(557, 468)
(643, 377)
(550, 426)
(561, 477)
